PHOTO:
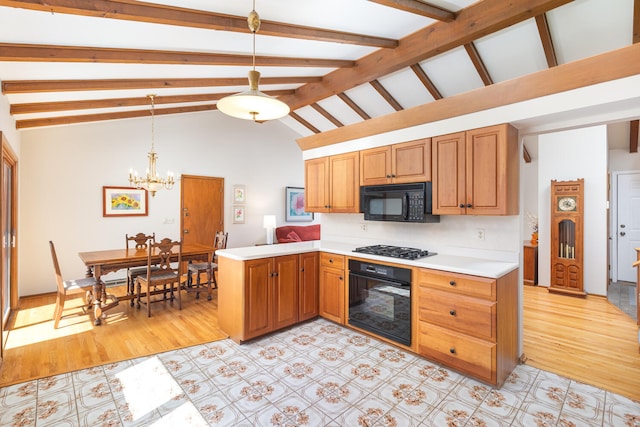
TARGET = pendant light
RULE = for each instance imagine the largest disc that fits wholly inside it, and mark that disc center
(253, 104)
(151, 181)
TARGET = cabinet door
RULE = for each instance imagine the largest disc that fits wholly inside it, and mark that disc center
(344, 181)
(492, 168)
(316, 178)
(375, 166)
(332, 294)
(411, 161)
(308, 286)
(285, 291)
(448, 174)
(257, 313)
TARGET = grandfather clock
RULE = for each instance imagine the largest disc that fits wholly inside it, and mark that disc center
(567, 237)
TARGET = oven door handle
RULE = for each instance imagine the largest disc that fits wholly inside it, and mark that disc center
(405, 207)
(380, 279)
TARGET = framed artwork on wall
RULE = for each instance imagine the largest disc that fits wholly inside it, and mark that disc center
(294, 205)
(239, 194)
(238, 214)
(124, 201)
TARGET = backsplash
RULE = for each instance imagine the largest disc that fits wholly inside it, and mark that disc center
(457, 235)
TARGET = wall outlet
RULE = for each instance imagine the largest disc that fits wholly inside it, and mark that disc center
(363, 226)
(480, 233)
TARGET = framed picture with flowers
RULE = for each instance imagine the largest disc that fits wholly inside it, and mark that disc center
(124, 201)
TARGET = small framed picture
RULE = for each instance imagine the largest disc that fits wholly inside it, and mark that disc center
(294, 205)
(239, 194)
(124, 201)
(238, 214)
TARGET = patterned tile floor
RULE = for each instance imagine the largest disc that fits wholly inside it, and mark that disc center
(316, 374)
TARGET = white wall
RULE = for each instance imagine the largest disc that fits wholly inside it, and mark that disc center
(64, 168)
(569, 155)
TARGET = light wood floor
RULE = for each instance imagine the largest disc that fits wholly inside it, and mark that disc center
(35, 350)
(589, 340)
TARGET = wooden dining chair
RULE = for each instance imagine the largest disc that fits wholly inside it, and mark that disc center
(140, 242)
(166, 256)
(199, 268)
(66, 288)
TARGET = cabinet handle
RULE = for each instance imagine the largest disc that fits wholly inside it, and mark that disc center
(302, 269)
(393, 175)
(330, 260)
(388, 176)
(452, 283)
(469, 205)
(452, 350)
(452, 312)
(462, 205)
(341, 278)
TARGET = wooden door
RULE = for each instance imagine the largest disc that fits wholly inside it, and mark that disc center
(411, 161)
(202, 208)
(332, 294)
(308, 286)
(8, 266)
(344, 187)
(285, 291)
(316, 181)
(257, 314)
(375, 166)
(448, 173)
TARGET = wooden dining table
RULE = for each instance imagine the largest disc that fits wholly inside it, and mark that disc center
(108, 261)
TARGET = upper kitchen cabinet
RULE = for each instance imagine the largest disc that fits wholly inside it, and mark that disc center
(396, 164)
(331, 184)
(476, 172)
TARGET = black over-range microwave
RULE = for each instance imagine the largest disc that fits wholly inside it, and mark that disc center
(397, 202)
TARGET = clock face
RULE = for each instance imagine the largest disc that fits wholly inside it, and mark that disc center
(567, 204)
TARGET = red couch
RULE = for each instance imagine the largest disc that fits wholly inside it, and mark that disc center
(297, 233)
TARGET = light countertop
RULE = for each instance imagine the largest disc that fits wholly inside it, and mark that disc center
(452, 263)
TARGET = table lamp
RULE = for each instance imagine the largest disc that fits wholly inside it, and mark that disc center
(269, 223)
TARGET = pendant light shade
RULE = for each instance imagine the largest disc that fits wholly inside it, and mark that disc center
(253, 104)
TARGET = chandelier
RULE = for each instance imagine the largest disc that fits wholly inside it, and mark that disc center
(253, 104)
(151, 181)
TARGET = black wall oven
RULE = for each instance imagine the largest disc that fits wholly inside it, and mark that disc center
(380, 300)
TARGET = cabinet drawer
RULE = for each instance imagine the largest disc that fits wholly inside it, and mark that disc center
(332, 260)
(471, 316)
(467, 354)
(475, 286)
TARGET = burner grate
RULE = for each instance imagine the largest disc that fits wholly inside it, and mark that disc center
(394, 251)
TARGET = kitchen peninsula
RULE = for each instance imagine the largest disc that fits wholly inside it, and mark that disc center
(463, 310)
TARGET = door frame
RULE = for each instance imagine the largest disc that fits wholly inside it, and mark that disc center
(613, 232)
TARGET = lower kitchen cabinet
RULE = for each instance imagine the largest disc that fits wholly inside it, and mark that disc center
(332, 287)
(259, 296)
(308, 289)
(469, 323)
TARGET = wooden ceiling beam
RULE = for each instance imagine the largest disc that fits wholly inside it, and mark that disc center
(327, 115)
(419, 8)
(547, 42)
(37, 86)
(473, 22)
(46, 107)
(304, 123)
(609, 66)
(171, 15)
(386, 95)
(355, 107)
(525, 154)
(53, 53)
(426, 81)
(84, 118)
(478, 63)
(636, 21)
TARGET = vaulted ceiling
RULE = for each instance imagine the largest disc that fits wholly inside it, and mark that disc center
(334, 62)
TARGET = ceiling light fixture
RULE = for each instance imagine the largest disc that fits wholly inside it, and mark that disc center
(253, 104)
(151, 182)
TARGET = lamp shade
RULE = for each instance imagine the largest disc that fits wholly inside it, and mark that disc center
(269, 221)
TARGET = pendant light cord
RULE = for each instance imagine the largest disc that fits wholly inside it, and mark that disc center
(153, 133)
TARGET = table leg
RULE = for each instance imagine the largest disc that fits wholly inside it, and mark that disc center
(98, 290)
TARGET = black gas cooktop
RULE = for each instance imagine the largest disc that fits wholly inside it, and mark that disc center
(394, 251)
